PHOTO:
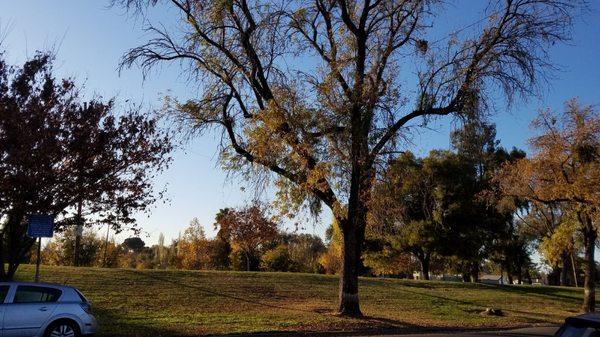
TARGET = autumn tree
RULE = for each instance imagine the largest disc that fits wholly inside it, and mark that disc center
(247, 229)
(193, 247)
(59, 251)
(561, 245)
(321, 126)
(564, 168)
(69, 159)
(304, 252)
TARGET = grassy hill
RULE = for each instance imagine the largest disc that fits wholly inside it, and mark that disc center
(185, 303)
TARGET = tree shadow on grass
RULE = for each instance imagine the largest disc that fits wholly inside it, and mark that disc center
(553, 293)
(215, 293)
(113, 323)
(541, 291)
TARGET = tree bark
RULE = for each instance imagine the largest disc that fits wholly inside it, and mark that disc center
(424, 261)
(474, 272)
(247, 261)
(349, 303)
(78, 233)
(354, 225)
(509, 271)
(16, 242)
(589, 284)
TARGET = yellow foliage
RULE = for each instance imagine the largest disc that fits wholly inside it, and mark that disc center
(193, 249)
(331, 260)
(563, 239)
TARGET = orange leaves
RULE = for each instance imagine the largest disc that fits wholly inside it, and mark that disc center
(565, 166)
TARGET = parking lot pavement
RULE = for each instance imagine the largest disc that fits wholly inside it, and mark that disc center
(546, 331)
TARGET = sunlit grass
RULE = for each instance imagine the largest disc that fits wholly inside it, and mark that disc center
(185, 303)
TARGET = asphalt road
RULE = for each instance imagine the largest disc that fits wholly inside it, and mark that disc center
(542, 331)
(547, 331)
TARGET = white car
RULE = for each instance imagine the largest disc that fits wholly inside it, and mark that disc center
(44, 310)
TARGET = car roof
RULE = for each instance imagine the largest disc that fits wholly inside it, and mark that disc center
(591, 319)
(37, 284)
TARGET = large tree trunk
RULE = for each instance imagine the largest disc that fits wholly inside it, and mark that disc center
(349, 303)
(15, 244)
(589, 284)
(354, 224)
(353, 229)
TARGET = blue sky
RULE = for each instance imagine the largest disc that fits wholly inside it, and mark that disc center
(90, 38)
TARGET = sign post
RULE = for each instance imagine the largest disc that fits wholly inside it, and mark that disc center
(39, 260)
(39, 226)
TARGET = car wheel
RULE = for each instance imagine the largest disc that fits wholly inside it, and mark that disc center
(62, 329)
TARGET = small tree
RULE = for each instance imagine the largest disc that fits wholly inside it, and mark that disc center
(564, 168)
(59, 251)
(193, 247)
(304, 252)
(247, 229)
(134, 244)
(276, 259)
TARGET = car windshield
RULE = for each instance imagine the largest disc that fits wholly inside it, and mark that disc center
(577, 331)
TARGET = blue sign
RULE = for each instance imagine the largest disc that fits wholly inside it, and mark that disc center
(40, 226)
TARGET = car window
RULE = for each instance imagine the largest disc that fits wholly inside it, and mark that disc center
(33, 294)
(83, 299)
(3, 293)
(578, 331)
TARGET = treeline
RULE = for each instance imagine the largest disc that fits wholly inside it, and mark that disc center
(246, 240)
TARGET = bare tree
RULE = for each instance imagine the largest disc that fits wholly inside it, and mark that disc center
(314, 91)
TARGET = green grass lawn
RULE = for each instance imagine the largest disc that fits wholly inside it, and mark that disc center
(186, 303)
